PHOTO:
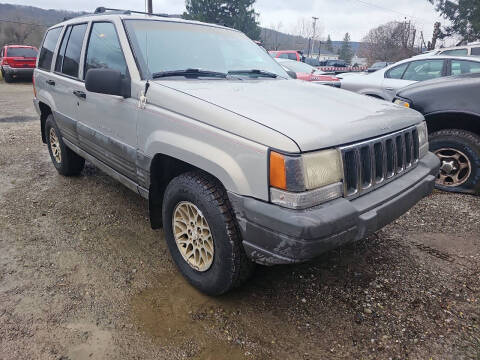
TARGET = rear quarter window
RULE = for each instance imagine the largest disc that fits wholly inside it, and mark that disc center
(48, 48)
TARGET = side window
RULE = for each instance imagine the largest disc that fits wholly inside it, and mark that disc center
(61, 51)
(71, 59)
(46, 53)
(283, 56)
(103, 50)
(475, 51)
(465, 67)
(292, 56)
(455, 52)
(422, 70)
(397, 72)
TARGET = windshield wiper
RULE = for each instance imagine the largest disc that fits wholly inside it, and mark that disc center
(189, 73)
(254, 72)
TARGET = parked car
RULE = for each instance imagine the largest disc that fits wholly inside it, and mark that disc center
(240, 164)
(471, 49)
(288, 54)
(334, 63)
(384, 83)
(451, 107)
(305, 72)
(378, 65)
(17, 61)
(312, 62)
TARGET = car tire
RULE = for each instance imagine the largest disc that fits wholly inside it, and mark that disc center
(67, 162)
(207, 203)
(8, 78)
(459, 152)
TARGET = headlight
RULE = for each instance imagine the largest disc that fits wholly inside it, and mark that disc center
(307, 180)
(422, 139)
(402, 103)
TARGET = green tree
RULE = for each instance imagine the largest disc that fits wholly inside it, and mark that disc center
(329, 44)
(237, 14)
(346, 52)
(464, 16)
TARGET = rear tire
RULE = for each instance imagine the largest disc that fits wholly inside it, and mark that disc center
(67, 162)
(226, 265)
(8, 78)
(459, 152)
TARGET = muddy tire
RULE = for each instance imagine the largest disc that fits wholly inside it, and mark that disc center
(67, 162)
(7, 77)
(202, 234)
(459, 152)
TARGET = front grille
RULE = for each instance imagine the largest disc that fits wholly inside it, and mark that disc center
(372, 163)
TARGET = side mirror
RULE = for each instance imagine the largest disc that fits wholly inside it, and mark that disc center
(108, 81)
(292, 74)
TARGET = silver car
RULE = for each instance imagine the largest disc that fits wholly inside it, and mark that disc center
(384, 83)
(240, 164)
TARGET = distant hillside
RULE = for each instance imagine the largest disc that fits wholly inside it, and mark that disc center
(28, 23)
(276, 40)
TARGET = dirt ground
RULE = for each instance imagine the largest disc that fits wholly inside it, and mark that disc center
(82, 276)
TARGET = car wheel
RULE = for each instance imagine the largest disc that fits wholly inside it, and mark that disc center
(202, 234)
(7, 77)
(67, 162)
(459, 153)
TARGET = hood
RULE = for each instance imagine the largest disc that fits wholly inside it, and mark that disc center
(313, 116)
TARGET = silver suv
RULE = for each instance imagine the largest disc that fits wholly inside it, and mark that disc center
(240, 164)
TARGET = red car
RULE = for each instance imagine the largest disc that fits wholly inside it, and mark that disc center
(287, 54)
(309, 73)
(17, 61)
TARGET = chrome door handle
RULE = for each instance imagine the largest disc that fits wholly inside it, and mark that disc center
(79, 94)
(389, 89)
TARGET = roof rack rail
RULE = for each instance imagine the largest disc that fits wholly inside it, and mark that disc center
(101, 10)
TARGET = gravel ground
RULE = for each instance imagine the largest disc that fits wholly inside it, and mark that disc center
(82, 276)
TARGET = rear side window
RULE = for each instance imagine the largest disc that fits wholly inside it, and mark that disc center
(48, 47)
(21, 52)
(71, 59)
(283, 56)
(476, 51)
(465, 67)
(103, 50)
(292, 56)
(61, 51)
(422, 70)
(456, 52)
(397, 72)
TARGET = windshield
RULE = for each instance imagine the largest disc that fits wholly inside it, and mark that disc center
(21, 52)
(169, 46)
(298, 66)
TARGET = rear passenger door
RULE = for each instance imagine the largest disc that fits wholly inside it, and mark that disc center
(66, 83)
(108, 124)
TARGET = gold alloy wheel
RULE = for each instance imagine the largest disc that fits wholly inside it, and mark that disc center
(193, 236)
(55, 146)
(455, 167)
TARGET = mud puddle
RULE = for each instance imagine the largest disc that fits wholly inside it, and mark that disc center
(175, 314)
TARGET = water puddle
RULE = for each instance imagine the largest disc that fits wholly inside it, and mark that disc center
(175, 314)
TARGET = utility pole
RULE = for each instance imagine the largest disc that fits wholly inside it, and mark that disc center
(150, 7)
(313, 35)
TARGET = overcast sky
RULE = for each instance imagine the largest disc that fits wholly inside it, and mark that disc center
(336, 17)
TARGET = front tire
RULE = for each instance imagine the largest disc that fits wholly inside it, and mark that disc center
(202, 234)
(459, 153)
(67, 162)
(7, 77)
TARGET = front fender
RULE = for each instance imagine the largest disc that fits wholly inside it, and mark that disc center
(239, 164)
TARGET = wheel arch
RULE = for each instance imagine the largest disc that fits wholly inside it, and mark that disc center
(453, 120)
(45, 111)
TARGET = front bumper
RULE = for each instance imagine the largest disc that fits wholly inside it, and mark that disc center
(276, 235)
(18, 72)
